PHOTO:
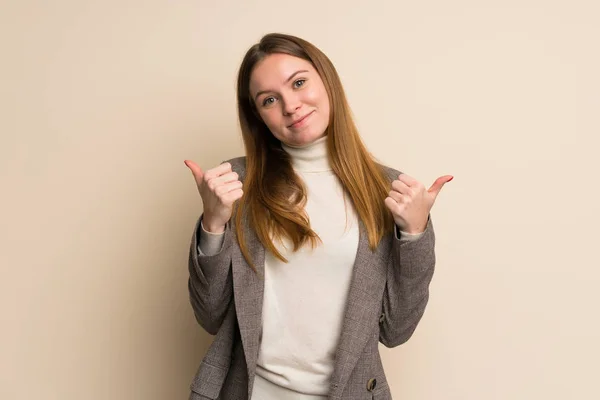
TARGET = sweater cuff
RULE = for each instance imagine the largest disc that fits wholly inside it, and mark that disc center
(210, 243)
(405, 236)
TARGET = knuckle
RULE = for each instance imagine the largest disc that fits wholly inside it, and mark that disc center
(219, 190)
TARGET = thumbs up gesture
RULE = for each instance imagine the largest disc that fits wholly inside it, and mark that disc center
(219, 189)
(410, 202)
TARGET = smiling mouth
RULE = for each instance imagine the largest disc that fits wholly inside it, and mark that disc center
(300, 120)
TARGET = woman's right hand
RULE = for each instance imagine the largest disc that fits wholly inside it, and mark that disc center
(219, 189)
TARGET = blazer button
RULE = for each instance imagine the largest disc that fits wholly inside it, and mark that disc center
(381, 318)
(371, 384)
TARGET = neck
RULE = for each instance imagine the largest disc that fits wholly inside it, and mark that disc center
(311, 157)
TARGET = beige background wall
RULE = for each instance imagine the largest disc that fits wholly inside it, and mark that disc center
(101, 101)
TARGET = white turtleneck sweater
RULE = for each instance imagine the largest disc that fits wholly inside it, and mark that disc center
(304, 299)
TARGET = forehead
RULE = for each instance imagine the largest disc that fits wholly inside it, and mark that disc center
(272, 72)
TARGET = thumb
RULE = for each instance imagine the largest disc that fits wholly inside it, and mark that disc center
(439, 184)
(196, 170)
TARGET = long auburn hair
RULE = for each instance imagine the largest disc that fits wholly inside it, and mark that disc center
(274, 196)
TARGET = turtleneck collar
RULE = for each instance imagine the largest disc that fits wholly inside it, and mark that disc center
(311, 157)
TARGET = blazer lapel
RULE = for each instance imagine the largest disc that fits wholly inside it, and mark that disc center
(362, 308)
(248, 289)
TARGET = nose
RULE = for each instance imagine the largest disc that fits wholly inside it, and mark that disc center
(291, 104)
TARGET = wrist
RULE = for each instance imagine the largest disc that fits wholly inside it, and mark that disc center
(212, 226)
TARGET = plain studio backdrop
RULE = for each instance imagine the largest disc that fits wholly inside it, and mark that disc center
(101, 101)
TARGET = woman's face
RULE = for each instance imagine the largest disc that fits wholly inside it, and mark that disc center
(290, 98)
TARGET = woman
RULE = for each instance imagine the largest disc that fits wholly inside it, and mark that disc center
(308, 252)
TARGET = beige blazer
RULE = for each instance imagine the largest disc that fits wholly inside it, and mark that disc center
(388, 294)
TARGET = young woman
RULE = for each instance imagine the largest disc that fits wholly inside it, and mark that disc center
(308, 253)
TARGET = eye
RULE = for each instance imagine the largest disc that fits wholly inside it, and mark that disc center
(299, 82)
(268, 101)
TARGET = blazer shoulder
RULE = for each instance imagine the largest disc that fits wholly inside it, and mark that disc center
(238, 164)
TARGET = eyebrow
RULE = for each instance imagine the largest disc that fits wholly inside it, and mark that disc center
(286, 81)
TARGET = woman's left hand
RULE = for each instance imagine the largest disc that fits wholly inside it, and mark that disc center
(410, 203)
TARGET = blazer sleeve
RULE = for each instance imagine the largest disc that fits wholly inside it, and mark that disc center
(406, 293)
(210, 282)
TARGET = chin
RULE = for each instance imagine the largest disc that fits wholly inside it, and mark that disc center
(301, 138)
(306, 140)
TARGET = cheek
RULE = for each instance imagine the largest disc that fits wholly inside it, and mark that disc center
(321, 97)
(271, 118)
(324, 103)
(314, 96)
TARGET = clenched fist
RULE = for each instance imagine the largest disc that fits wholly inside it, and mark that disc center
(219, 189)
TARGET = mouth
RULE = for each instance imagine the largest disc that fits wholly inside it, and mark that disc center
(297, 123)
